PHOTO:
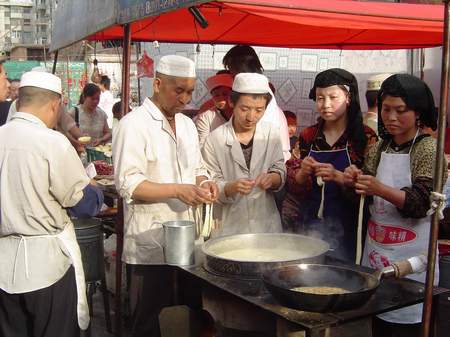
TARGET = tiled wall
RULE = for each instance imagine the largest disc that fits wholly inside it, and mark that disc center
(291, 71)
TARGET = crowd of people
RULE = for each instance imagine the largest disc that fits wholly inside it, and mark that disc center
(241, 153)
(240, 160)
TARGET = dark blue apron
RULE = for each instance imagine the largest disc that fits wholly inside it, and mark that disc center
(339, 214)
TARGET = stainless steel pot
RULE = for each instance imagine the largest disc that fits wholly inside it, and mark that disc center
(222, 255)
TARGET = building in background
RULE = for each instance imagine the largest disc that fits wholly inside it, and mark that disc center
(25, 28)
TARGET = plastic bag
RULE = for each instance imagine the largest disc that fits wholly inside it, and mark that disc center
(145, 66)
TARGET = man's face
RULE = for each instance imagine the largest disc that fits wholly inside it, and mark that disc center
(248, 111)
(14, 90)
(4, 84)
(173, 93)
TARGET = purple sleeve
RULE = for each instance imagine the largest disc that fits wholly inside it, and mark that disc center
(89, 205)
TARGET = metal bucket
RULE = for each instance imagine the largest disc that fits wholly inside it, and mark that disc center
(179, 242)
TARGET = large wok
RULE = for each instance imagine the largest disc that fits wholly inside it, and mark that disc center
(286, 249)
(360, 285)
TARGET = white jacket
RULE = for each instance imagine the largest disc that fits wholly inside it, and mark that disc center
(207, 122)
(222, 152)
(145, 148)
(276, 116)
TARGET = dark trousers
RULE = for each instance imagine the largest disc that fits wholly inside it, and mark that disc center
(48, 312)
(151, 289)
(381, 328)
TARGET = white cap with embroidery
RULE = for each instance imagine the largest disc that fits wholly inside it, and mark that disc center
(176, 65)
(374, 82)
(41, 69)
(251, 83)
(41, 80)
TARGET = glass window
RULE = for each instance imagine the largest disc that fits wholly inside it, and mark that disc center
(16, 34)
(16, 9)
(15, 22)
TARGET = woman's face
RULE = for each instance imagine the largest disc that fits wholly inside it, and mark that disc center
(91, 102)
(221, 96)
(398, 119)
(332, 103)
(292, 129)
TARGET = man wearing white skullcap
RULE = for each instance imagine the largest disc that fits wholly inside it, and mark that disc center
(244, 59)
(245, 158)
(373, 85)
(43, 181)
(66, 124)
(160, 174)
(219, 87)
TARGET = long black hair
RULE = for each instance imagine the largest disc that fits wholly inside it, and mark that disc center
(89, 90)
(415, 93)
(355, 126)
(242, 59)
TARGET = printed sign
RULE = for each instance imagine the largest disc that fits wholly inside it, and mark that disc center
(390, 235)
(377, 260)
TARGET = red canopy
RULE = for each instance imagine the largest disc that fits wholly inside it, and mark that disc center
(341, 24)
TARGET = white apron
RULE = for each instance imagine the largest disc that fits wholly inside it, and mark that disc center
(69, 241)
(391, 237)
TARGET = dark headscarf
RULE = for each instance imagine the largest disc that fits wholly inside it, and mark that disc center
(355, 126)
(415, 93)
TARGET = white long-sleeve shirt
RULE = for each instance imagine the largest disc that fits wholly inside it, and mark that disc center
(146, 149)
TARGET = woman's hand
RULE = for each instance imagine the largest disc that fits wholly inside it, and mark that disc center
(368, 185)
(351, 174)
(95, 142)
(307, 169)
(326, 171)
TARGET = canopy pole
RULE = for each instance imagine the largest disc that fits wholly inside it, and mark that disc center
(438, 177)
(126, 59)
(55, 61)
(138, 51)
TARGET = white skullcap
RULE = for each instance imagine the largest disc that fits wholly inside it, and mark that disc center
(221, 80)
(374, 82)
(41, 80)
(40, 69)
(176, 65)
(251, 83)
